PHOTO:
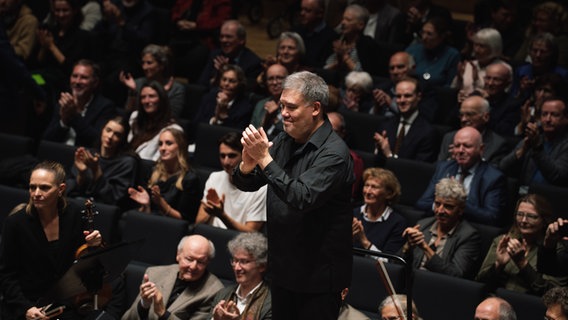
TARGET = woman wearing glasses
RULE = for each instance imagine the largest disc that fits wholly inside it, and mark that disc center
(512, 259)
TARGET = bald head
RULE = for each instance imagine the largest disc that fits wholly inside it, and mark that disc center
(494, 309)
(498, 77)
(401, 64)
(467, 147)
(474, 112)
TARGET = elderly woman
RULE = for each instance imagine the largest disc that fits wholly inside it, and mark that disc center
(290, 50)
(227, 105)
(512, 259)
(445, 243)
(358, 92)
(487, 48)
(173, 188)
(250, 298)
(157, 66)
(266, 113)
(436, 61)
(147, 122)
(376, 226)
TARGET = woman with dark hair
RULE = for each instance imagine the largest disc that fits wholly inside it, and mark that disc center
(104, 173)
(227, 105)
(511, 262)
(157, 66)
(436, 61)
(39, 244)
(146, 123)
(173, 187)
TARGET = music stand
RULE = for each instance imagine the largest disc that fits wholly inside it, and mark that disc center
(91, 271)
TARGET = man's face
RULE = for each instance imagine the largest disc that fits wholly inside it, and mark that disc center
(310, 13)
(407, 98)
(471, 114)
(298, 116)
(553, 117)
(247, 270)
(487, 310)
(496, 79)
(467, 148)
(502, 19)
(275, 76)
(193, 259)
(447, 211)
(389, 312)
(230, 42)
(82, 81)
(398, 67)
(540, 54)
(229, 158)
(350, 24)
(554, 312)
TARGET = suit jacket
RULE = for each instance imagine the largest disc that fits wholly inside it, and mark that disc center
(240, 112)
(505, 114)
(191, 304)
(487, 196)
(88, 128)
(495, 146)
(460, 254)
(390, 28)
(246, 59)
(420, 142)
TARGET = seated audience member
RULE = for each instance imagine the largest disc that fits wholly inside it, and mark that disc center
(376, 225)
(494, 308)
(502, 15)
(505, 109)
(157, 66)
(266, 113)
(146, 123)
(21, 26)
(386, 24)
(91, 11)
(396, 307)
(418, 13)
(173, 188)
(223, 204)
(542, 156)
(290, 50)
(408, 135)
(178, 291)
(544, 59)
(357, 96)
(338, 125)
(227, 105)
(511, 261)
(348, 312)
(487, 49)
(104, 174)
(436, 61)
(250, 297)
(553, 255)
(445, 243)
(485, 185)
(354, 51)
(233, 50)
(80, 114)
(318, 36)
(556, 302)
(475, 112)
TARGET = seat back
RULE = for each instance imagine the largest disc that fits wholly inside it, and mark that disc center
(16, 144)
(206, 147)
(555, 195)
(9, 198)
(526, 306)
(360, 129)
(56, 151)
(414, 177)
(133, 275)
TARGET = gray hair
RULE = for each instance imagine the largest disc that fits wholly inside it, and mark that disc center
(449, 188)
(296, 38)
(506, 66)
(311, 86)
(361, 13)
(254, 243)
(400, 301)
(483, 103)
(241, 30)
(211, 254)
(506, 311)
(491, 38)
(359, 79)
(559, 296)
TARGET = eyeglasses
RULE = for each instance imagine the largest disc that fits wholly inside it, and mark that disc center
(228, 155)
(241, 262)
(275, 79)
(530, 216)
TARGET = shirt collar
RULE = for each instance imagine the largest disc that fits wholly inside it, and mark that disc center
(384, 216)
(245, 298)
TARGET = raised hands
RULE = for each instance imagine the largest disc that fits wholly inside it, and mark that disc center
(214, 205)
(226, 310)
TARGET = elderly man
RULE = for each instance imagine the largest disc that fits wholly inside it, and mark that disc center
(542, 156)
(250, 298)
(445, 243)
(556, 302)
(80, 114)
(401, 65)
(396, 307)
(233, 50)
(494, 308)
(179, 291)
(475, 112)
(266, 113)
(309, 174)
(484, 184)
(409, 135)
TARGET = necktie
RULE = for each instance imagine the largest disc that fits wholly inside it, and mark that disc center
(464, 175)
(400, 137)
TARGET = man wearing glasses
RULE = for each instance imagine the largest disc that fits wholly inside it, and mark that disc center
(445, 243)
(178, 291)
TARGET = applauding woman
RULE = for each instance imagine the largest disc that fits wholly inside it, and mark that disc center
(173, 186)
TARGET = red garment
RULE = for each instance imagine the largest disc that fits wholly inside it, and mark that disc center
(211, 16)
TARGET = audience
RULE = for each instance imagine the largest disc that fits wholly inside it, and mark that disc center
(401, 65)
(357, 96)
(21, 26)
(396, 307)
(386, 24)
(494, 308)
(266, 113)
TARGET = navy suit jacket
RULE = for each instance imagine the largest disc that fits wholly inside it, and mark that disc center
(487, 196)
(420, 142)
(88, 128)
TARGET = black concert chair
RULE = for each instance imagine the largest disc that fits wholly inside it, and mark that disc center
(206, 147)
(414, 177)
(527, 307)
